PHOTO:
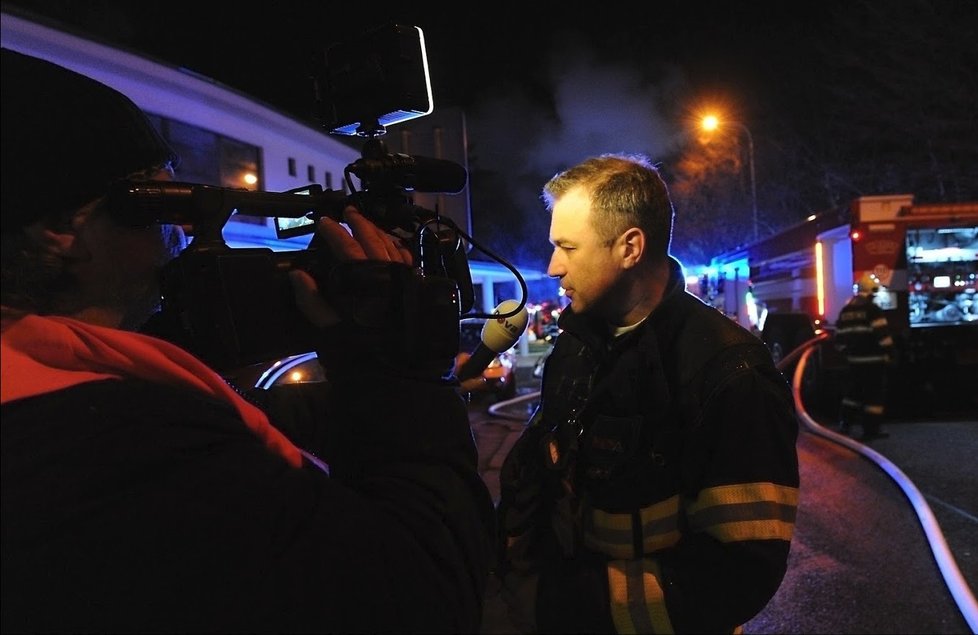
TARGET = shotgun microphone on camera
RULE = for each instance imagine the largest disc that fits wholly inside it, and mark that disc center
(421, 174)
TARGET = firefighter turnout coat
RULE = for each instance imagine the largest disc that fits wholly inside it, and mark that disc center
(655, 487)
(864, 337)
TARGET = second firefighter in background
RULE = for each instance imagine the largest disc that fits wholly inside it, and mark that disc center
(864, 337)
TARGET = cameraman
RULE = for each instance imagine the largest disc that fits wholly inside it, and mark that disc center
(139, 491)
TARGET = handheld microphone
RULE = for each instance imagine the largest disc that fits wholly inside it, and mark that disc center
(421, 174)
(498, 335)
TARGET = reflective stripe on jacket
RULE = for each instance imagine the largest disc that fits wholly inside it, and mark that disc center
(863, 333)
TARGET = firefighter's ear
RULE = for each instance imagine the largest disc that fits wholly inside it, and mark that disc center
(631, 245)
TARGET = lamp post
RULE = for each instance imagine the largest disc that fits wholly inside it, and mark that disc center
(710, 123)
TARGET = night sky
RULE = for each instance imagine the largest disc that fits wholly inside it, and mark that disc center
(542, 85)
(474, 55)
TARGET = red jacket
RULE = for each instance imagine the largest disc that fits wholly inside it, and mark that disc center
(134, 503)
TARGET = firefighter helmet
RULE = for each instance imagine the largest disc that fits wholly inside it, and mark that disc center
(867, 283)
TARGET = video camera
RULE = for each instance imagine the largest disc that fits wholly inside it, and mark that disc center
(235, 307)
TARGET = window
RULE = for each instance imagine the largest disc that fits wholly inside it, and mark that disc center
(212, 159)
(239, 164)
(943, 276)
(197, 148)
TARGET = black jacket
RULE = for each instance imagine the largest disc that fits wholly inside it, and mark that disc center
(863, 333)
(665, 473)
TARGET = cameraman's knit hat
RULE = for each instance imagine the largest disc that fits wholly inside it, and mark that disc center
(65, 138)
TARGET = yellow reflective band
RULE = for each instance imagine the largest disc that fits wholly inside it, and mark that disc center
(752, 511)
(744, 493)
(660, 525)
(638, 604)
(611, 534)
(873, 409)
(867, 359)
(752, 530)
(878, 323)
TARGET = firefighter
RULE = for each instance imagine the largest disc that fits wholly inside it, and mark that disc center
(863, 336)
(655, 487)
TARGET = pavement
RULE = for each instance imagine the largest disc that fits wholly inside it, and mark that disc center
(495, 435)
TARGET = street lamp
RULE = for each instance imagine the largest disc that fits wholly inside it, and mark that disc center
(711, 123)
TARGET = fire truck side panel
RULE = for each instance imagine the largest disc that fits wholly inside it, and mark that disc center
(926, 257)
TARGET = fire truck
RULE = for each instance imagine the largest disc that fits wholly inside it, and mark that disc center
(789, 286)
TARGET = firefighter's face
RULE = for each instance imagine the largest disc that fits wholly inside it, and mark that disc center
(588, 265)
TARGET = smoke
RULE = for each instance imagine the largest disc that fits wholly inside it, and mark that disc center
(600, 108)
(597, 106)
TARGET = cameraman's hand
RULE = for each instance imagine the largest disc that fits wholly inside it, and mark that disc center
(372, 308)
(367, 242)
